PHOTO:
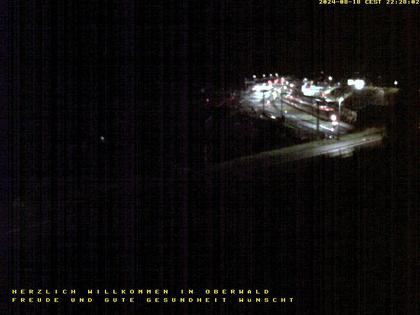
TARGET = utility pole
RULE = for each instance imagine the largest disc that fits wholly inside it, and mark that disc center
(263, 109)
(281, 102)
(317, 117)
(340, 100)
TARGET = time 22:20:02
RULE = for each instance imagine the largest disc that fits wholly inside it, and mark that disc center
(402, 1)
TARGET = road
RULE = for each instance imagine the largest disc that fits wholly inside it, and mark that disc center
(343, 147)
(294, 117)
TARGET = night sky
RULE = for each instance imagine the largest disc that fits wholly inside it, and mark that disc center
(114, 57)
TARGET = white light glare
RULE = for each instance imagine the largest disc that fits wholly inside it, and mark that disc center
(395, 82)
(330, 78)
(264, 75)
(273, 117)
(359, 84)
(261, 88)
(333, 117)
(254, 76)
(350, 82)
(277, 74)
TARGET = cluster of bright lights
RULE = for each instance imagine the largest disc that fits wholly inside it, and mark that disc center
(311, 90)
(358, 83)
(261, 88)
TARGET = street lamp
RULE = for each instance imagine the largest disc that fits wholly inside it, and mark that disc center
(317, 117)
(359, 84)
